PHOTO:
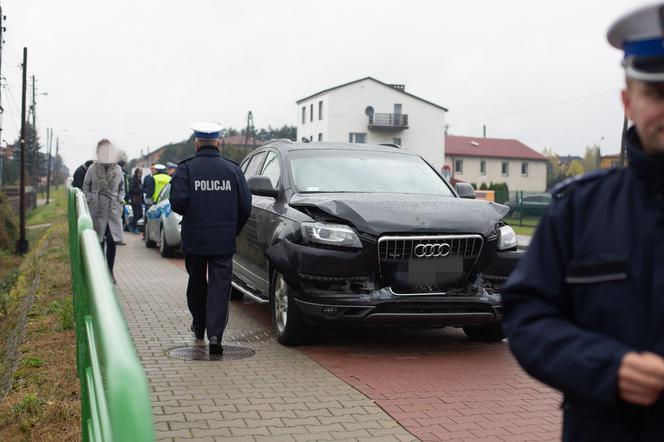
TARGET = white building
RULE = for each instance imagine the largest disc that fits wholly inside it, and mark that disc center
(370, 111)
(494, 160)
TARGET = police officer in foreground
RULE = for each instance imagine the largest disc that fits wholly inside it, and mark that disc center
(584, 309)
(212, 196)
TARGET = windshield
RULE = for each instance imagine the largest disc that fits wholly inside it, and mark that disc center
(364, 171)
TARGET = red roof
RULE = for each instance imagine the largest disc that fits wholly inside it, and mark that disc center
(238, 140)
(489, 147)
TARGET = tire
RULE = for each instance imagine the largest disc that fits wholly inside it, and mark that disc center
(164, 249)
(287, 319)
(148, 242)
(491, 332)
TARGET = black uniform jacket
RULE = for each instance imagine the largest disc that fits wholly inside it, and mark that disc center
(212, 196)
(591, 288)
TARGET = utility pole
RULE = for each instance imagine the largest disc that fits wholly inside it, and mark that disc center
(250, 130)
(2, 40)
(22, 245)
(57, 148)
(49, 142)
(622, 142)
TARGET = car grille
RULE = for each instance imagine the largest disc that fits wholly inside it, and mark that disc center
(420, 265)
(403, 248)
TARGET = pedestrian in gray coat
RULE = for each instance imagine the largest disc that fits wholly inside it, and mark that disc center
(104, 191)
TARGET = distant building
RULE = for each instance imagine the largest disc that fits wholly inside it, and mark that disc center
(494, 160)
(370, 111)
(609, 161)
(241, 141)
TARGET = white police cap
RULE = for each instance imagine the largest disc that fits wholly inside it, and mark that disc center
(206, 129)
(640, 34)
(159, 166)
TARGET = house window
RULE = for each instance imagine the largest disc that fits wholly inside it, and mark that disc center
(524, 169)
(311, 112)
(505, 168)
(320, 137)
(354, 137)
(304, 114)
(320, 110)
(396, 141)
(458, 167)
(482, 167)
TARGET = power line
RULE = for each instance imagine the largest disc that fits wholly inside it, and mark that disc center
(538, 108)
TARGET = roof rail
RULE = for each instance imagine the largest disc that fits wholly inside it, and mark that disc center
(390, 145)
(283, 140)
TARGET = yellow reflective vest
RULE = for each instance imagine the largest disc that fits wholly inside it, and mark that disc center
(160, 180)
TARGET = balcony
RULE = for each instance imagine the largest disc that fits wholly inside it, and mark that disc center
(388, 121)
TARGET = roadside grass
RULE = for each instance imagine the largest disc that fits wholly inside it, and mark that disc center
(527, 227)
(44, 401)
(48, 212)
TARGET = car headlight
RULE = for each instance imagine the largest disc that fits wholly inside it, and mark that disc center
(507, 238)
(331, 234)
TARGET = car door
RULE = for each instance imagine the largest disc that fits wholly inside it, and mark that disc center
(244, 259)
(157, 210)
(267, 218)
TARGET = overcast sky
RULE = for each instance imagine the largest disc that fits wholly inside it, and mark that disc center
(138, 72)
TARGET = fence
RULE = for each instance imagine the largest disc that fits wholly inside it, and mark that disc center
(526, 208)
(115, 404)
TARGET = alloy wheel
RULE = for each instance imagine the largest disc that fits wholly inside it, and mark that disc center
(281, 304)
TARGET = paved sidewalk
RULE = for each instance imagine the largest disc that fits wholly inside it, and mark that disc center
(278, 394)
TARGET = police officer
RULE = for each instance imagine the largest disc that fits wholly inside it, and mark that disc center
(584, 309)
(171, 168)
(211, 194)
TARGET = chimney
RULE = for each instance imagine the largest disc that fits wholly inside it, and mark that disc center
(399, 87)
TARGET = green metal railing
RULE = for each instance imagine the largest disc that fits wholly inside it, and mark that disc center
(115, 403)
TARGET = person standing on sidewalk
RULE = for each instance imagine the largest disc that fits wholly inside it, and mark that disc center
(136, 198)
(583, 309)
(104, 191)
(212, 196)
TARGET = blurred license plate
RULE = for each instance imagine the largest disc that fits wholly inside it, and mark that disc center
(432, 270)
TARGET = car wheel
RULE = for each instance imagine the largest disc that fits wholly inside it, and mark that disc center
(164, 248)
(287, 319)
(148, 242)
(492, 332)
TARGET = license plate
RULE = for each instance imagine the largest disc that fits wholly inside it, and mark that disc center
(434, 270)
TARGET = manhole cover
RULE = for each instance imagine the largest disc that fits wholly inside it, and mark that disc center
(200, 353)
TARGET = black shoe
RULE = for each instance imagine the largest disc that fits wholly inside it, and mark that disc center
(214, 347)
(198, 334)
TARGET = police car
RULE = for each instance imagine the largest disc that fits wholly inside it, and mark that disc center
(162, 225)
(371, 234)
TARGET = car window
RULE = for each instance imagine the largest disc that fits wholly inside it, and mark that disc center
(272, 168)
(244, 164)
(364, 171)
(254, 165)
(165, 193)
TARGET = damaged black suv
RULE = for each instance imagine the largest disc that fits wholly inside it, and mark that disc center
(367, 233)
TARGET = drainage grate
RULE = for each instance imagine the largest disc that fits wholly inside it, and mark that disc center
(200, 353)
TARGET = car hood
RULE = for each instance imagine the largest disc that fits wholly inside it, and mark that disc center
(377, 214)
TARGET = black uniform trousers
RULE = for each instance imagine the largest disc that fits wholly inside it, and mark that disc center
(209, 291)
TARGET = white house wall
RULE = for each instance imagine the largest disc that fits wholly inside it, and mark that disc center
(311, 129)
(345, 113)
(534, 182)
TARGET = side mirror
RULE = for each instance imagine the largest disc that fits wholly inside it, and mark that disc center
(262, 186)
(465, 190)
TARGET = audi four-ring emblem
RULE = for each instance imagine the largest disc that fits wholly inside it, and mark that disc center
(432, 250)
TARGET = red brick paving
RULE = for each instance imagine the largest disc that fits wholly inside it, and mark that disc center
(436, 383)
(440, 386)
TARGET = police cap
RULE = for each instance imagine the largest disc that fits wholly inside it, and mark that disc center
(640, 34)
(206, 130)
